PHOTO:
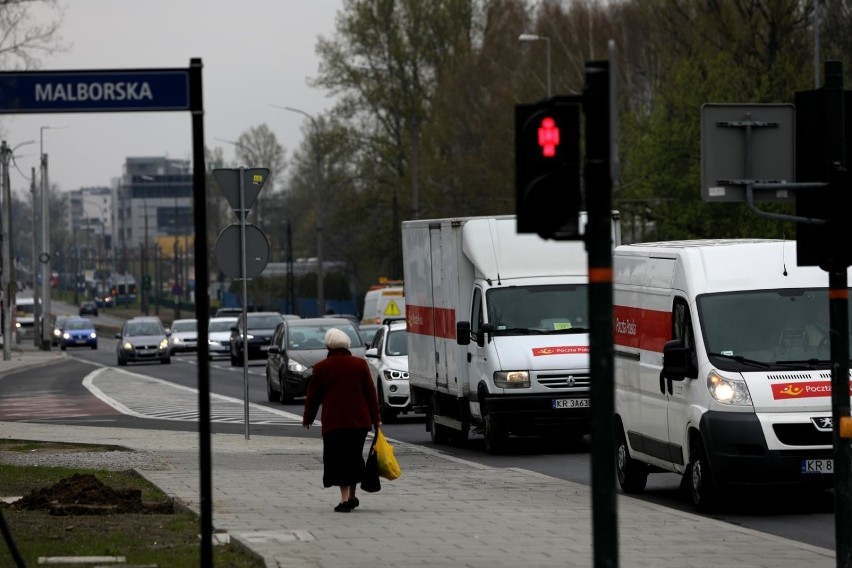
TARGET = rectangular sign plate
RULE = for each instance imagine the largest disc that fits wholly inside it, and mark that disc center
(94, 91)
(571, 403)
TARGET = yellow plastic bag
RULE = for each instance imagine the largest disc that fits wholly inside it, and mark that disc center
(388, 466)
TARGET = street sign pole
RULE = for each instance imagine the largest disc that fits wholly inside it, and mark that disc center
(242, 214)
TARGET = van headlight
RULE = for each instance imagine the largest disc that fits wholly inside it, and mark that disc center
(724, 390)
(512, 379)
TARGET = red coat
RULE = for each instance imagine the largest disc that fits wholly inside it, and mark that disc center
(343, 385)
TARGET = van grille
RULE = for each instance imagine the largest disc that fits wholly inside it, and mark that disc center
(576, 382)
(802, 435)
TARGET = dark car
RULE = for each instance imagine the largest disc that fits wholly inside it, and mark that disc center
(88, 309)
(78, 332)
(261, 326)
(142, 339)
(297, 346)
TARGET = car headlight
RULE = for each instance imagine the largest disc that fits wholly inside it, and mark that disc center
(127, 346)
(176, 339)
(93, 335)
(164, 343)
(17, 324)
(249, 336)
(66, 335)
(512, 379)
(57, 332)
(729, 391)
(393, 375)
(295, 366)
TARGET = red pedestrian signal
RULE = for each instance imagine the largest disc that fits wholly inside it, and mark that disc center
(547, 168)
(548, 137)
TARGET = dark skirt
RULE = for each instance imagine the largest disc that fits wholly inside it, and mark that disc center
(343, 456)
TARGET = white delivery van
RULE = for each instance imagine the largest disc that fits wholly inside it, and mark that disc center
(25, 317)
(384, 301)
(497, 325)
(722, 366)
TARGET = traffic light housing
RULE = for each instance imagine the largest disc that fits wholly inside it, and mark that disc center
(817, 120)
(547, 168)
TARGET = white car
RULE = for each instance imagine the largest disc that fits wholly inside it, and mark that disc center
(183, 336)
(388, 357)
(219, 336)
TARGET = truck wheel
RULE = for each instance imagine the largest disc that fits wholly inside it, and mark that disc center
(632, 474)
(495, 437)
(438, 432)
(702, 487)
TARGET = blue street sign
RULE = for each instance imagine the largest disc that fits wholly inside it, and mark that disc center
(94, 91)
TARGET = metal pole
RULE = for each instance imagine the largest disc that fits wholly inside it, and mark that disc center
(243, 273)
(8, 279)
(599, 246)
(202, 311)
(547, 38)
(45, 258)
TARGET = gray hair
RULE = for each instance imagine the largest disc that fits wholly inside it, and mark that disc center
(336, 339)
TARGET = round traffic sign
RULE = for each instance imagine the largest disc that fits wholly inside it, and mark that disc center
(228, 251)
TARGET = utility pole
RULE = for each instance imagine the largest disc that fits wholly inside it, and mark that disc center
(8, 280)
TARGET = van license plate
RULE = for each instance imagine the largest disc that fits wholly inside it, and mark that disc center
(571, 403)
(817, 466)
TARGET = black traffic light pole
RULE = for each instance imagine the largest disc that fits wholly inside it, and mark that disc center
(598, 185)
(838, 302)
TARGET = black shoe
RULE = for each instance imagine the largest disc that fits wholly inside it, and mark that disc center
(352, 503)
(343, 507)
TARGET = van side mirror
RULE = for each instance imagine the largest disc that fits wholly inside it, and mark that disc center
(678, 361)
(463, 332)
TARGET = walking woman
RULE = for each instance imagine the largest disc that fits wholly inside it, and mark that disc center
(343, 385)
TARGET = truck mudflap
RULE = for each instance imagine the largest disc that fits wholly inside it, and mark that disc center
(536, 414)
(739, 455)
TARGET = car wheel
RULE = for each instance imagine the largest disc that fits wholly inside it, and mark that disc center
(702, 487)
(94, 345)
(387, 412)
(271, 394)
(62, 346)
(284, 397)
(166, 360)
(122, 362)
(632, 474)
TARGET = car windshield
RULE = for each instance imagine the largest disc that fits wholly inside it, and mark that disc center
(78, 324)
(143, 328)
(184, 326)
(263, 322)
(554, 309)
(307, 337)
(222, 325)
(771, 327)
(28, 309)
(397, 343)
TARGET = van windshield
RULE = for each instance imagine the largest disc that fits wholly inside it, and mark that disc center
(557, 308)
(775, 327)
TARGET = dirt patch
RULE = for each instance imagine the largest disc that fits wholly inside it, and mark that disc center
(84, 494)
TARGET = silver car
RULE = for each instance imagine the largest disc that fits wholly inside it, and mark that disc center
(142, 339)
(219, 336)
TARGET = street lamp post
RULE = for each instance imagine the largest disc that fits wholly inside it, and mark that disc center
(45, 244)
(319, 206)
(536, 37)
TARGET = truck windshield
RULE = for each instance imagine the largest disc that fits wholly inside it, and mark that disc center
(558, 308)
(772, 327)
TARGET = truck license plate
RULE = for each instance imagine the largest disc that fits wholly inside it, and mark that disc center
(817, 466)
(571, 403)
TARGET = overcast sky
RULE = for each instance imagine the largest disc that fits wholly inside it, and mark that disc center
(255, 53)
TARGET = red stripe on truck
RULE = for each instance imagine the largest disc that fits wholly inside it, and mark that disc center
(426, 320)
(642, 329)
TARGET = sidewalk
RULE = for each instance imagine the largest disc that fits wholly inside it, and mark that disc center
(442, 512)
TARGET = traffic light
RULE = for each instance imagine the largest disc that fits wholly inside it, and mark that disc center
(547, 168)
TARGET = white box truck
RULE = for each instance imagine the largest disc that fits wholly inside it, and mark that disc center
(497, 327)
(722, 366)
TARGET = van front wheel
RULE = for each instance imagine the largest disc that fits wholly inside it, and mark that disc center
(632, 474)
(702, 487)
